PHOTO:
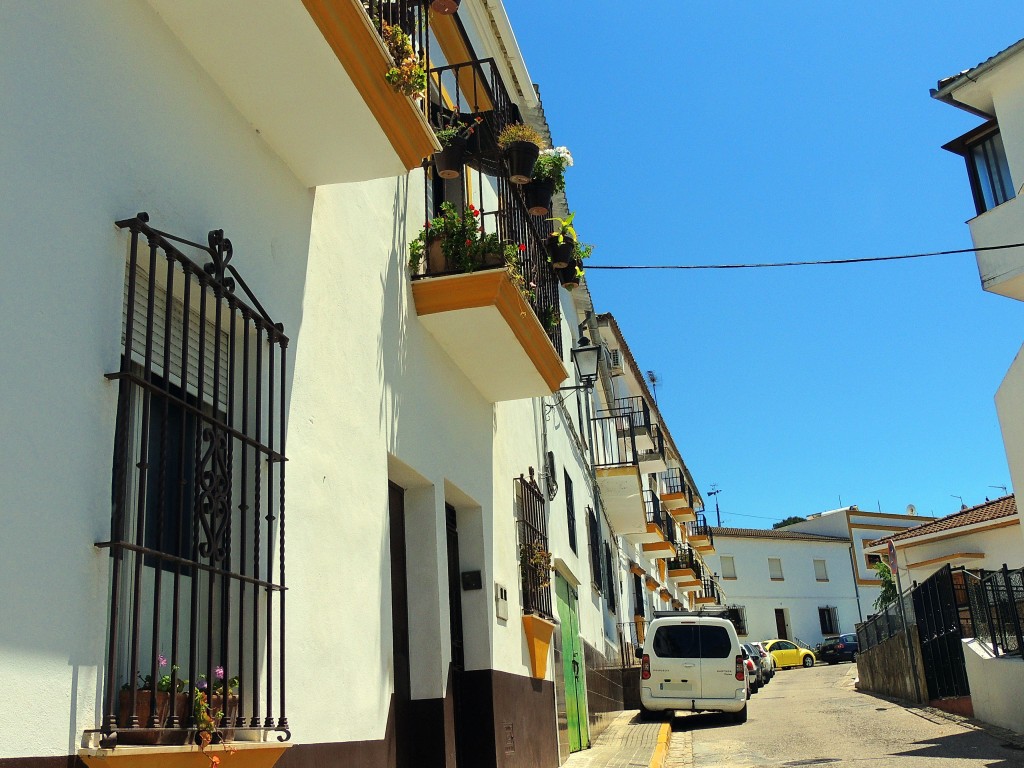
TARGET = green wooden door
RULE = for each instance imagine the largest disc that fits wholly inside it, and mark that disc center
(573, 668)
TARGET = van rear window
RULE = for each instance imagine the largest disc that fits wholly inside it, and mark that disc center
(691, 641)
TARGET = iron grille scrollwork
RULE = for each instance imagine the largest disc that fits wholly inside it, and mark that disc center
(197, 606)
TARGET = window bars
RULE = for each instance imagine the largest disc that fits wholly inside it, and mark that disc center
(594, 540)
(534, 555)
(197, 606)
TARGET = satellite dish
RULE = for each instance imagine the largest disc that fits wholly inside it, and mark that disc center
(911, 509)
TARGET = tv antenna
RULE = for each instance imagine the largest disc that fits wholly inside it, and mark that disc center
(962, 505)
(1002, 487)
(653, 378)
(715, 490)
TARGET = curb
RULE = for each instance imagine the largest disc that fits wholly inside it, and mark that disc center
(661, 749)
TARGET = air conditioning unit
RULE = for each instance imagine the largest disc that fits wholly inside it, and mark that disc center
(614, 359)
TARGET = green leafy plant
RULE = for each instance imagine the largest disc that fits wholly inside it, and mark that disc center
(564, 229)
(464, 244)
(535, 556)
(889, 592)
(551, 165)
(450, 134)
(409, 75)
(514, 132)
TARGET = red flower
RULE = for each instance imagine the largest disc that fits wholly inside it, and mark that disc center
(522, 247)
(426, 225)
(476, 212)
(468, 241)
(472, 207)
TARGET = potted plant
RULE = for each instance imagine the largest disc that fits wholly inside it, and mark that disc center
(449, 161)
(520, 145)
(445, 7)
(548, 178)
(571, 274)
(212, 704)
(562, 242)
(408, 75)
(454, 242)
(169, 696)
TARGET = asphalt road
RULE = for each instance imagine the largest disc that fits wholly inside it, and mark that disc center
(815, 717)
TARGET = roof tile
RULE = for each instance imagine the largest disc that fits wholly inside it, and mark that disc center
(1005, 506)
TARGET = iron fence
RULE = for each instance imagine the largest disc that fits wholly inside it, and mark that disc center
(885, 624)
(671, 481)
(534, 555)
(996, 606)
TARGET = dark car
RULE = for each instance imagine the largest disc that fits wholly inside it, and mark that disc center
(841, 648)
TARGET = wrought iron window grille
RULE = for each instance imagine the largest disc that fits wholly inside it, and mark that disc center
(196, 629)
(534, 554)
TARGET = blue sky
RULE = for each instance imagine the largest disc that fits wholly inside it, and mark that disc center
(739, 132)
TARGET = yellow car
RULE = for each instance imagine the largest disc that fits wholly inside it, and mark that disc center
(786, 653)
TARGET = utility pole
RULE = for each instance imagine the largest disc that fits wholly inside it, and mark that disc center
(715, 490)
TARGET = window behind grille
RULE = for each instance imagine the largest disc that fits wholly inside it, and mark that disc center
(828, 617)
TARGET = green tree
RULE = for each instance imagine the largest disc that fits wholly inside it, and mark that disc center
(789, 521)
(889, 592)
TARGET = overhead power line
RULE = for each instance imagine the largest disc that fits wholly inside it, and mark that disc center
(765, 265)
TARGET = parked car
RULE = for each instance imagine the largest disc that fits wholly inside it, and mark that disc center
(692, 662)
(767, 660)
(786, 653)
(842, 648)
(754, 656)
(751, 667)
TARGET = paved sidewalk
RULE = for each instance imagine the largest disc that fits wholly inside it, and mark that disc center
(625, 743)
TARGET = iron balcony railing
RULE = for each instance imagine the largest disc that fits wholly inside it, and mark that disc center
(473, 94)
(534, 555)
(637, 409)
(687, 558)
(614, 443)
(197, 535)
(411, 16)
(710, 589)
(672, 481)
(656, 514)
(700, 527)
(996, 600)
(658, 451)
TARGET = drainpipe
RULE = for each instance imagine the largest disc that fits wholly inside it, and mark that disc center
(856, 589)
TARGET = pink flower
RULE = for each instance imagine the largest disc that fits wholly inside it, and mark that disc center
(162, 660)
(219, 673)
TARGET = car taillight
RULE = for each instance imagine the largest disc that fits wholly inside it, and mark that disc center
(740, 674)
(750, 665)
(840, 646)
(645, 668)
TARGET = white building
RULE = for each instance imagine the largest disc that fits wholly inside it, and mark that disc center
(409, 616)
(787, 584)
(994, 155)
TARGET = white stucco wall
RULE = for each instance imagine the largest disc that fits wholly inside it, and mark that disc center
(995, 684)
(799, 593)
(1010, 409)
(105, 116)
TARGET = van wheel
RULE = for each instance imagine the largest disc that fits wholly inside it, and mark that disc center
(650, 715)
(808, 661)
(741, 716)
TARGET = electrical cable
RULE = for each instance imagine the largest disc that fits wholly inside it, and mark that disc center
(764, 265)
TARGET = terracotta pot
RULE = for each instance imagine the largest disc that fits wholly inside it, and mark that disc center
(445, 7)
(161, 734)
(538, 197)
(561, 253)
(521, 156)
(436, 263)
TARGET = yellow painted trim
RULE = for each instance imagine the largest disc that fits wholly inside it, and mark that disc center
(636, 570)
(349, 32)
(651, 584)
(660, 546)
(239, 753)
(947, 558)
(456, 51)
(538, 641)
(493, 287)
(618, 472)
(956, 533)
(662, 569)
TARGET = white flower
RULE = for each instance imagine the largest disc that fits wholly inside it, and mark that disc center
(563, 152)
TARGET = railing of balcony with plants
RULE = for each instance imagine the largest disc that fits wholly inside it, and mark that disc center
(637, 409)
(469, 109)
(534, 554)
(687, 558)
(614, 444)
(700, 527)
(404, 28)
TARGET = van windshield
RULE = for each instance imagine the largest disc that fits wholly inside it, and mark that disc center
(691, 641)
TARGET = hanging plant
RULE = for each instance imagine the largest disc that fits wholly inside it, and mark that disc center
(520, 144)
(409, 75)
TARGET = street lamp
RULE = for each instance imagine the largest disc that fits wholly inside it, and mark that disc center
(585, 357)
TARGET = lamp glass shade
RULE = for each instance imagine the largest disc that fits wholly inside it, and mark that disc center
(586, 359)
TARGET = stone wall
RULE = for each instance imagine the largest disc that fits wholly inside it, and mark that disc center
(886, 669)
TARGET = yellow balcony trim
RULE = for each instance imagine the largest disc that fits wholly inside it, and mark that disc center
(495, 288)
(242, 754)
(660, 548)
(351, 35)
(538, 640)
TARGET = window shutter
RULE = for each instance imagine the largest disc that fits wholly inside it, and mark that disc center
(775, 568)
(820, 571)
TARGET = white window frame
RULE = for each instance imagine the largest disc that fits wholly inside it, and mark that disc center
(781, 576)
(823, 576)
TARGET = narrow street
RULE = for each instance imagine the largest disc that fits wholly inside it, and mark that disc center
(811, 717)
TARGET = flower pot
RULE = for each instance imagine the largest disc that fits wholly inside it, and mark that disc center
(445, 7)
(538, 196)
(161, 734)
(230, 710)
(491, 260)
(448, 162)
(521, 156)
(436, 262)
(567, 277)
(560, 254)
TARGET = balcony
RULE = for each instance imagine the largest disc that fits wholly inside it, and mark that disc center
(618, 473)
(659, 540)
(685, 569)
(1002, 271)
(309, 78)
(639, 419)
(676, 495)
(698, 534)
(496, 316)
(652, 461)
(710, 594)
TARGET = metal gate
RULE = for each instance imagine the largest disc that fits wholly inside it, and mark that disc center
(938, 625)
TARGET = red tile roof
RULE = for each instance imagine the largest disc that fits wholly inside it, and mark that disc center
(1005, 506)
(772, 533)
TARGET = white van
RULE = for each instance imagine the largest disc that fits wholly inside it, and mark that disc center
(692, 661)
